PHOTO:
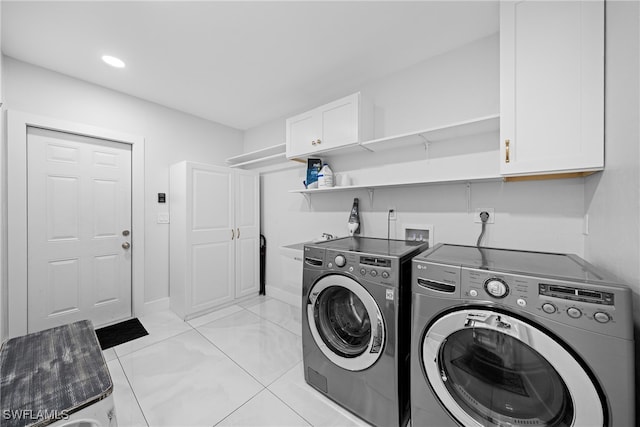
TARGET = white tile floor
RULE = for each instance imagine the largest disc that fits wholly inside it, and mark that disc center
(238, 366)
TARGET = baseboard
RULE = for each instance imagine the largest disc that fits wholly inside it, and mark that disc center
(155, 306)
(288, 297)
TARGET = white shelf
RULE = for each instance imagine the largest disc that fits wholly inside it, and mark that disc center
(454, 130)
(480, 125)
(485, 178)
(264, 155)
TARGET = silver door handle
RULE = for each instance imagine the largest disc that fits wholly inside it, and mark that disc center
(126, 245)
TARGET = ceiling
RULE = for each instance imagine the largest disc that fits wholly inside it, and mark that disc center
(239, 63)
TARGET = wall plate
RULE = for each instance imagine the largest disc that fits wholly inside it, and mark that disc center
(418, 232)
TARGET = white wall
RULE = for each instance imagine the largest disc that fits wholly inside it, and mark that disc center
(612, 198)
(455, 86)
(170, 136)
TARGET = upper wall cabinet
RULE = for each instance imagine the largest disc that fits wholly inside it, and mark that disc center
(551, 87)
(337, 124)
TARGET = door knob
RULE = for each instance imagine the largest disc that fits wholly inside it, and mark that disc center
(126, 245)
(125, 232)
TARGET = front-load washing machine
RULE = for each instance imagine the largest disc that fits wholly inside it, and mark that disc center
(356, 318)
(513, 338)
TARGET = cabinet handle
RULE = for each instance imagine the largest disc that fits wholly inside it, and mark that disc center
(506, 150)
(313, 142)
(238, 233)
(233, 234)
(318, 142)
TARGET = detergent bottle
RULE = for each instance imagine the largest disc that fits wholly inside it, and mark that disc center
(325, 177)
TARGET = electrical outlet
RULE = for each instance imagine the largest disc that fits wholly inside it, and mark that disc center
(392, 214)
(490, 211)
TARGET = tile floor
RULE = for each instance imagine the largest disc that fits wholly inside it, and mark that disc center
(238, 366)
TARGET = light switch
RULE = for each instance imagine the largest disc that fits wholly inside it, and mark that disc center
(163, 218)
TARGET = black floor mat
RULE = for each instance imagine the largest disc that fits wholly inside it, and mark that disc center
(111, 336)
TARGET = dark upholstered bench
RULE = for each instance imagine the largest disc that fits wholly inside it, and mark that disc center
(51, 375)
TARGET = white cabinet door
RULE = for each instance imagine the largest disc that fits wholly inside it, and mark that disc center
(340, 122)
(303, 132)
(552, 87)
(247, 245)
(202, 251)
(211, 233)
(330, 126)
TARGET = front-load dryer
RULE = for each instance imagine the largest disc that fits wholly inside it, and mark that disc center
(513, 338)
(356, 318)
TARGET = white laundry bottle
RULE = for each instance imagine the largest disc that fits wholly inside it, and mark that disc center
(325, 177)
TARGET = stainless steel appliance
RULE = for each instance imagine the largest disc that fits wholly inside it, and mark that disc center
(503, 337)
(356, 324)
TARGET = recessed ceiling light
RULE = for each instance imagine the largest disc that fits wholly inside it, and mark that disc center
(113, 61)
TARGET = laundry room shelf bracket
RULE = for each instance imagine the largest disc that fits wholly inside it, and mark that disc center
(427, 145)
(371, 192)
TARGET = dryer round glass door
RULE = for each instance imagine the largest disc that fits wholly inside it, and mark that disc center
(491, 369)
(345, 321)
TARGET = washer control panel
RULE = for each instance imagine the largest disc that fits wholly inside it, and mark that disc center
(373, 268)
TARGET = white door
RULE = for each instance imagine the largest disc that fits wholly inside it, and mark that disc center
(211, 236)
(247, 200)
(79, 210)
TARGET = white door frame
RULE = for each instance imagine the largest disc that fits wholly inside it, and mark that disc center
(18, 122)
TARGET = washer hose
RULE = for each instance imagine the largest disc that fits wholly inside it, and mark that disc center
(484, 217)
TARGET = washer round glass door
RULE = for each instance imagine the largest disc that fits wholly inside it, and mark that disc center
(491, 369)
(345, 321)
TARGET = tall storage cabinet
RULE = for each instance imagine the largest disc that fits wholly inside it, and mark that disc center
(552, 87)
(214, 236)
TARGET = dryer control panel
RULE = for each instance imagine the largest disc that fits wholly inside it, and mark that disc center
(596, 307)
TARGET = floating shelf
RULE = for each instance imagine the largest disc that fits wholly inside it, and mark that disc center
(372, 187)
(488, 178)
(475, 126)
(265, 155)
(454, 130)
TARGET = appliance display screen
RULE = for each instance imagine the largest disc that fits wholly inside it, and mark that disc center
(374, 261)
